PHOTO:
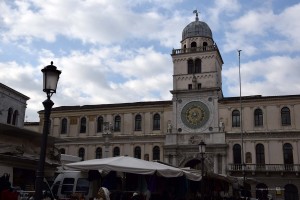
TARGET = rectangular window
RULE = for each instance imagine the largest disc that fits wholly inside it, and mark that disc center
(82, 186)
(190, 86)
(199, 86)
(138, 126)
(117, 126)
(235, 121)
(67, 186)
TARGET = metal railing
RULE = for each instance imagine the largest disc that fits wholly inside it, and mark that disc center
(195, 49)
(264, 167)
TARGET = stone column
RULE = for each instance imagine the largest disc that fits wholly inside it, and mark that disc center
(216, 163)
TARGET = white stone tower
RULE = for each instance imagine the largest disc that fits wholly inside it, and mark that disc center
(197, 87)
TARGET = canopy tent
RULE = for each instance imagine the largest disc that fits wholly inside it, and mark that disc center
(132, 165)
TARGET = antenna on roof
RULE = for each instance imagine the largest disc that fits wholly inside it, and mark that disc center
(196, 12)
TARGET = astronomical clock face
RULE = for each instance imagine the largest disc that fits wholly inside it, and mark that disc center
(195, 114)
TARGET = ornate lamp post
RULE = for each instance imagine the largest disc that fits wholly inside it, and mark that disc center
(50, 79)
(202, 148)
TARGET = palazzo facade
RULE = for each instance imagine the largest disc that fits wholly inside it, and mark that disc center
(252, 136)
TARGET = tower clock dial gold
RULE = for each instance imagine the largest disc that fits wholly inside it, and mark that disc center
(195, 114)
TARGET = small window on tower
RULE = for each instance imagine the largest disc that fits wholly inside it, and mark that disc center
(193, 45)
(190, 86)
(199, 86)
(204, 46)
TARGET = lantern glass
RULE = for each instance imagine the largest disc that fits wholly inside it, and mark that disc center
(50, 79)
(202, 147)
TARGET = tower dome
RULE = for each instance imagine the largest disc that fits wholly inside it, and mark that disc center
(196, 29)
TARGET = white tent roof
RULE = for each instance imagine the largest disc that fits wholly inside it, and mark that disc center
(132, 165)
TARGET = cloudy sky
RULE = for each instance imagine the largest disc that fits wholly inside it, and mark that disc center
(117, 51)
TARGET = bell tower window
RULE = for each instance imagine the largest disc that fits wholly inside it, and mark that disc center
(197, 65)
(204, 46)
(190, 66)
(194, 66)
(193, 45)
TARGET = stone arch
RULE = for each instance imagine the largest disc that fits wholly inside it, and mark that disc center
(194, 163)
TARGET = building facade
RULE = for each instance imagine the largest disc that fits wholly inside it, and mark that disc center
(251, 136)
(12, 106)
(20, 147)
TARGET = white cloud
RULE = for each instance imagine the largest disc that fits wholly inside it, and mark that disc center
(27, 80)
(112, 75)
(97, 22)
(262, 30)
(145, 63)
(110, 51)
(221, 8)
(277, 75)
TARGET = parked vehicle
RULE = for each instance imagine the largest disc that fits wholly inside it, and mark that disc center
(70, 183)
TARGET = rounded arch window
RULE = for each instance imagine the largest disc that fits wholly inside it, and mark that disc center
(204, 46)
(137, 152)
(288, 155)
(260, 154)
(117, 126)
(138, 122)
(156, 122)
(237, 159)
(100, 122)
(15, 117)
(98, 153)
(193, 45)
(81, 153)
(64, 126)
(156, 153)
(9, 115)
(197, 65)
(83, 125)
(285, 116)
(235, 118)
(116, 152)
(190, 64)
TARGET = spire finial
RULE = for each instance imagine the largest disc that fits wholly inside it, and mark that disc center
(196, 12)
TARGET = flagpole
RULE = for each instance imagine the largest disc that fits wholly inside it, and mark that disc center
(241, 120)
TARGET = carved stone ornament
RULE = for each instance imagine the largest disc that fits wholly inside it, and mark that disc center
(195, 139)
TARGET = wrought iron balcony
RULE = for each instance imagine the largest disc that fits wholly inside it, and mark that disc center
(195, 49)
(264, 168)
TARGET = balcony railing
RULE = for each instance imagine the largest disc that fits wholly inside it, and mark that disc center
(264, 168)
(195, 49)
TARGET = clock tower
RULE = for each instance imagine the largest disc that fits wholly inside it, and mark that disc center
(197, 87)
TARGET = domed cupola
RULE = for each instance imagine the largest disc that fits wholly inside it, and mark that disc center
(196, 29)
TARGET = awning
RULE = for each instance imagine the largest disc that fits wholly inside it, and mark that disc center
(132, 165)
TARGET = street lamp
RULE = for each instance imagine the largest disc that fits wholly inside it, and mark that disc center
(202, 148)
(50, 79)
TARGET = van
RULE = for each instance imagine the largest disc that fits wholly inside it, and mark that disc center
(70, 183)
